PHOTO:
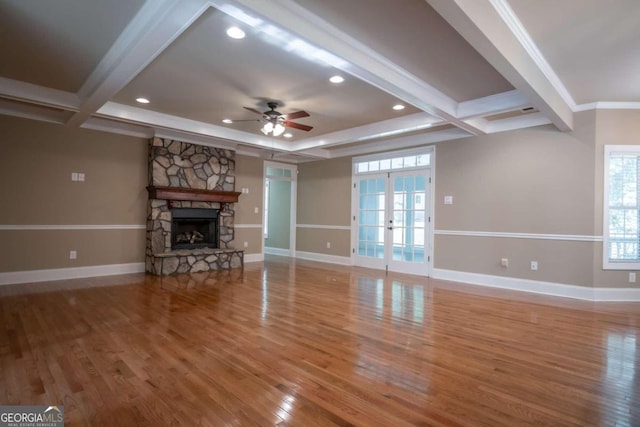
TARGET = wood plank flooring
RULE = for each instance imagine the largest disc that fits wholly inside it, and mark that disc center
(299, 343)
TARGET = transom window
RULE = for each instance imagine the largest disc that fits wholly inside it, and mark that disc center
(396, 162)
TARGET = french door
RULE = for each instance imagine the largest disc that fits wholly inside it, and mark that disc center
(392, 215)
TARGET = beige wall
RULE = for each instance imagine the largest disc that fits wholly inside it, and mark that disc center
(532, 181)
(324, 198)
(613, 127)
(249, 175)
(36, 189)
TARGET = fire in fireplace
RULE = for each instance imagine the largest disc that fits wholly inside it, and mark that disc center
(194, 228)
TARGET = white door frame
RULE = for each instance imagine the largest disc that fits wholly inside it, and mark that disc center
(293, 203)
(429, 240)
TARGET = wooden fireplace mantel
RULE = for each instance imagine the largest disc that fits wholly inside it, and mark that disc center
(193, 195)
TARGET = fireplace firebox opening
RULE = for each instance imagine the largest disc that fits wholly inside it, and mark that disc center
(194, 228)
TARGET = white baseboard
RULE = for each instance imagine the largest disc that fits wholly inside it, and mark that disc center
(539, 287)
(333, 259)
(253, 258)
(277, 251)
(616, 294)
(31, 276)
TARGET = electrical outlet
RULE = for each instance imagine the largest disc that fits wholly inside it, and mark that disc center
(255, 210)
(504, 262)
(534, 265)
(246, 244)
(74, 176)
(632, 277)
(80, 176)
(328, 245)
(448, 200)
(73, 254)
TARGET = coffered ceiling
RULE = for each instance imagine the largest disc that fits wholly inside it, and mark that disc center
(459, 68)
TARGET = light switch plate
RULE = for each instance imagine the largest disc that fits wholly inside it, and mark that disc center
(448, 200)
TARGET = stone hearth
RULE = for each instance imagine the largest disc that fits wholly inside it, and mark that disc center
(198, 169)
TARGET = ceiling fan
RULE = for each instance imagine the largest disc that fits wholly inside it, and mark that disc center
(276, 122)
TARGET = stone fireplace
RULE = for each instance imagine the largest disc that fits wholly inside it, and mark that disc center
(190, 222)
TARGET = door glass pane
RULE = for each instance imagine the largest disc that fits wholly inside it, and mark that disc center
(371, 212)
(409, 197)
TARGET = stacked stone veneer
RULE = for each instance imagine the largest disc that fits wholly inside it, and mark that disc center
(183, 165)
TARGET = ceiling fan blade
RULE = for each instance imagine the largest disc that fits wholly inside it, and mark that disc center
(298, 126)
(296, 115)
(253, 110)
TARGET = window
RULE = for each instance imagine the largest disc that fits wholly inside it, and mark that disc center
(621, 244)
(394, 162)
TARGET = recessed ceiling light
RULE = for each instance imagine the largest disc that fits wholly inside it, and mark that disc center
(336, 79)
(227, 121)
(235, 33)
(287, 135)
(398, 107)
(142, 100)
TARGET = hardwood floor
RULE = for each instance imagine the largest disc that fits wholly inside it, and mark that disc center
(308, 344)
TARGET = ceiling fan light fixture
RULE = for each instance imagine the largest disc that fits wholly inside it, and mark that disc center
(267, 128)
(278, 129)
(235, 33)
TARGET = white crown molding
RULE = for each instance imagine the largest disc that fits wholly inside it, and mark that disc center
(539, 287)
(609, 106)
(121, 128)
(32, 276)
(536, 236)
(11, 227)
(332, 259)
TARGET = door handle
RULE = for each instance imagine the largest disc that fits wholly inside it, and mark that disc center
(389, 228)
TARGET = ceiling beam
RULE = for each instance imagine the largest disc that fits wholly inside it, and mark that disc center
(492, 28)
(492, 104)
(390, 127)
(401, 142)
(126, 113)
(40, 95)
(155, 26)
